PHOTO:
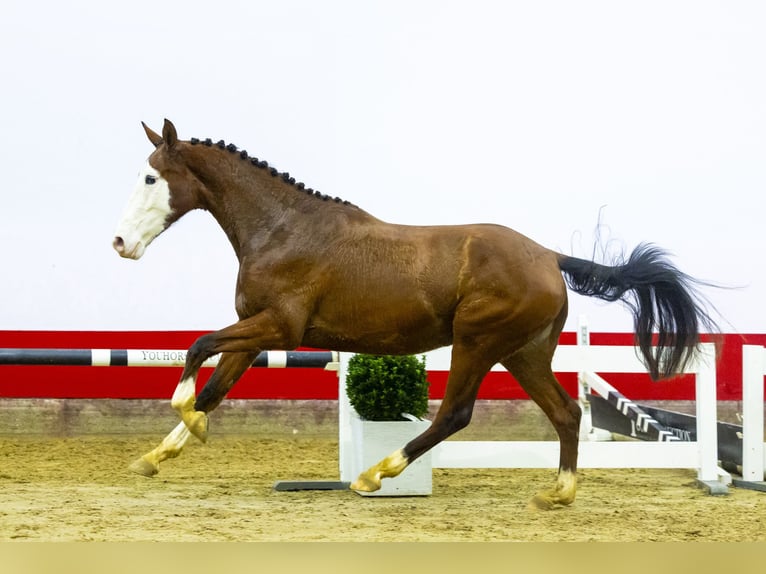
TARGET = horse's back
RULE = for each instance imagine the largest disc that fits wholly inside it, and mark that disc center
(400, 287)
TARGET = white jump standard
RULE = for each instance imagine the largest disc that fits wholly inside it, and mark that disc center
(753, 447)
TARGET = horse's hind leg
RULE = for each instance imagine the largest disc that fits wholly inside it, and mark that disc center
(454, 414)
(531, 366)
(230, 367)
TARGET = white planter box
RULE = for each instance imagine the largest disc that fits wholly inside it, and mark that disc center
(375, 440)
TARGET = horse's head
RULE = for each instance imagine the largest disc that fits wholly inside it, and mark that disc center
(165, 191)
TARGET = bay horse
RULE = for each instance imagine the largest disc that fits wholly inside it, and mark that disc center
(320, 272)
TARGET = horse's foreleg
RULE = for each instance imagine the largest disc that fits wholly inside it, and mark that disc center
(229, 369)
(170, 447)
(183, 402)
(239, 345)
(236, 356)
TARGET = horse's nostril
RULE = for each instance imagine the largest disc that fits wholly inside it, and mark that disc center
(118, 244)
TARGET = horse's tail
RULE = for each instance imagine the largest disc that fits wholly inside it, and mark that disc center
(662, 299)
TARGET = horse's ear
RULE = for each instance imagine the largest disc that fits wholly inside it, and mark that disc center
(153, 136)
(169, 135)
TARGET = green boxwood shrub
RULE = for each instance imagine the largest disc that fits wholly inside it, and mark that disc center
(382, 387)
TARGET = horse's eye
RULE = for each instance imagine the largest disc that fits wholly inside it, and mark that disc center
(150, 179)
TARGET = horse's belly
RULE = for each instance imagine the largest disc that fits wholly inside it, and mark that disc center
(381, 332)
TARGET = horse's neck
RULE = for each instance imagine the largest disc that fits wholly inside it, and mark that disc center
(244, 216)
(255, 209)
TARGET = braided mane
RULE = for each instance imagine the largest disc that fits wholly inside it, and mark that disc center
(260, 164)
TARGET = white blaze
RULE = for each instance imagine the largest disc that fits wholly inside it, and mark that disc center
(144, 216)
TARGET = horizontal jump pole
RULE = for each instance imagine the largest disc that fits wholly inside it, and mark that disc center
(156, 358)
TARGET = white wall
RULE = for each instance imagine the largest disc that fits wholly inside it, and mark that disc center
(529, 114)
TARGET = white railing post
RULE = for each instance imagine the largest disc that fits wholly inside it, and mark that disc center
(707, 418)
(753, 370)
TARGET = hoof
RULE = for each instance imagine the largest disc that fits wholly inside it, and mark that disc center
(197, 423)
(540, 502)
(562, 495)
(144, 467)
(366, 483)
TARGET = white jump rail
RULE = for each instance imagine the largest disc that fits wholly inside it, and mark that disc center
(753, 448)
(588, 360)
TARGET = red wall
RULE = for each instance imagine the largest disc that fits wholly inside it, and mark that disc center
(159, 382)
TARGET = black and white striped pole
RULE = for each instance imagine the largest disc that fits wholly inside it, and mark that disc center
(157, 358)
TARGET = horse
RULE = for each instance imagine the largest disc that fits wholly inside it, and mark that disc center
(321, 272)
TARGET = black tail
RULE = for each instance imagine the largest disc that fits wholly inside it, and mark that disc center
(662, 299)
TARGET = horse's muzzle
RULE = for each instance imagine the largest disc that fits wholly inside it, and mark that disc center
(134, 251)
